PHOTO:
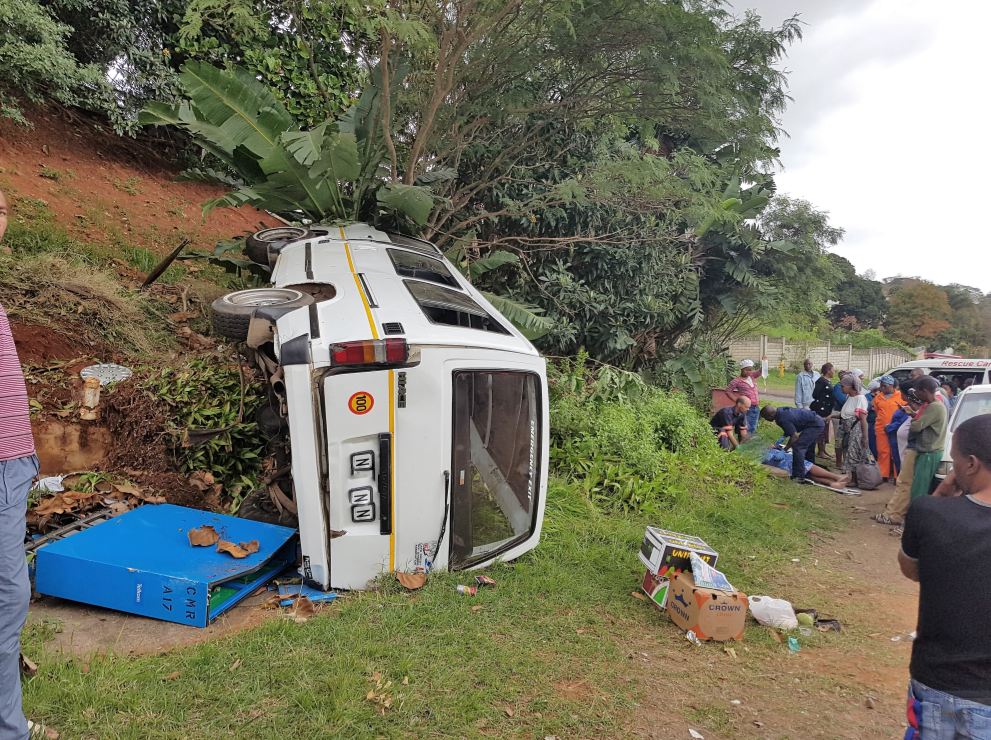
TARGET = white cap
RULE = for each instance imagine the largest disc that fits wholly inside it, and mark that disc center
(874, 385)
(858, 373)
(747, 363)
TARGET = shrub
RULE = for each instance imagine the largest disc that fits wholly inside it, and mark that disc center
(647, 451)
(205, 394)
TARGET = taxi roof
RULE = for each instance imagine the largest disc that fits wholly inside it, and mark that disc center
(372, 297)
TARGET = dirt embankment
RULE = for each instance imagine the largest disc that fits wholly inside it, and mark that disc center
(104, 188)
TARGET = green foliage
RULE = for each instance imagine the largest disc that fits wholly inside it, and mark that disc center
(918, 312)
(861, 303)
(330, 172)
(205, 394)
(304, 52)
(38, 66)
(633, 447)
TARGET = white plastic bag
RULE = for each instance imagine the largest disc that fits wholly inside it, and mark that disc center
(776, 613)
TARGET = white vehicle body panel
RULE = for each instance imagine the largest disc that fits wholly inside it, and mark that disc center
(947, 365)
(964, 407)
(350, 530)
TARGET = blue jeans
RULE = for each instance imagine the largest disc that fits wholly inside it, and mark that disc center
(15, 589)
(935, 715)
(752, 415)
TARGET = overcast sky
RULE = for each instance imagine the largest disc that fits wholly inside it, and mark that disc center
(888, 130)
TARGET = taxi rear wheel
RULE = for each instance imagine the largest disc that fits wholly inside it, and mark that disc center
(232, 313)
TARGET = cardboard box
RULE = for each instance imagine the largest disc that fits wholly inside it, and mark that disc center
(710, 614)
(668, 553)
(656, 588)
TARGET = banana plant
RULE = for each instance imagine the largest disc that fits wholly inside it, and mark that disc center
(334, 171)
(527, 319)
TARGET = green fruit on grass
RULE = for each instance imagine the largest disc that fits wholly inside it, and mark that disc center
(806, 619)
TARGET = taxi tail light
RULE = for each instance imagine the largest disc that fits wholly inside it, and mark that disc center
(370, 352)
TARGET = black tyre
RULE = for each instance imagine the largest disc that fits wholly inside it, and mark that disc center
(256, 246)
(232, 313)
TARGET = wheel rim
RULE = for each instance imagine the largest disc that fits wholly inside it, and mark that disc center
(280, 234)
(262, 297)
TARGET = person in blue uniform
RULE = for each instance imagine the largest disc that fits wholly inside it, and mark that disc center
(802, 427)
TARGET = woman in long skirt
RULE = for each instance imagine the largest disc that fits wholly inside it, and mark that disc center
(853, 421)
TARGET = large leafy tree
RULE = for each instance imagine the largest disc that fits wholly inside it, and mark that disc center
(605, 145)
(38, 65)
(303, 50)
(860, 303)
(918, 313)
(967, 333)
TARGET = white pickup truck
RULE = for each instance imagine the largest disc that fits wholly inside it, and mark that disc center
(417, 415)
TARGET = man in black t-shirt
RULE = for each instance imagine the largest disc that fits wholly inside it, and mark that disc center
(946, 547)
(730, 424)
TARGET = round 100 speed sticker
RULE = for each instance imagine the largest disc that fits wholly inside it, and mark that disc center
(361, 402)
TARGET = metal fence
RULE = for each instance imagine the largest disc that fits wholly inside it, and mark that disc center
(874, 361)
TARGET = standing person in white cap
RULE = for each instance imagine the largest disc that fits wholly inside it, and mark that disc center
(745, 385)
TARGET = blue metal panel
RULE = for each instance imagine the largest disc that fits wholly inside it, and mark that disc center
(142, 563)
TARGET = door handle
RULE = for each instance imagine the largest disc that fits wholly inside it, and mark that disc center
(385, 483)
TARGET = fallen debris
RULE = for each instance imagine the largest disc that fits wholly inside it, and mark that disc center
(106, 373)
(380, 694)
(771, 612)
(484, 581)
(240, 550)
(63, 507)
(288, 592)
(205, 536)
(467, 590)
(302, 609)
(411, 581)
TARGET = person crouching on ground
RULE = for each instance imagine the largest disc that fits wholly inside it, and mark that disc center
(802, 427)
(745, 385)
(18, 467)
(946, 547)
(730, 424)
(853, 420)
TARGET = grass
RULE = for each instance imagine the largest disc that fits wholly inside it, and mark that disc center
(777, 382)
(558, 615)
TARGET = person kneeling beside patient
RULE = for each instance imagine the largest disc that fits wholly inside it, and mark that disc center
(730, 424)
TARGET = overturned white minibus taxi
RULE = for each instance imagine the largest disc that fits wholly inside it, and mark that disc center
(410, 417)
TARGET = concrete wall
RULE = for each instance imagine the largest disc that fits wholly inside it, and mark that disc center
(875, 361)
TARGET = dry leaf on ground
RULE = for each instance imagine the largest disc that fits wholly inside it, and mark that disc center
(183, 315)
(510, 712)
(250, 547)
(411, 581)
(235, 665)
(302, 609)
(204, 536)
(235, 551)
(174, 676)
